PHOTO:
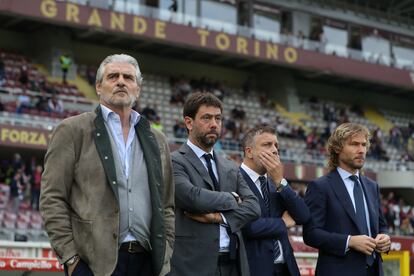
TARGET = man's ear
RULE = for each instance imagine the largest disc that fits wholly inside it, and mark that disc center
(98, 88)
(188, 121)
(248, 152)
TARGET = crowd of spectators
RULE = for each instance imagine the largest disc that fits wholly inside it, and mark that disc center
(398, 214)
(150, 113)
(22, 177)
(182, 86)
(34, 93)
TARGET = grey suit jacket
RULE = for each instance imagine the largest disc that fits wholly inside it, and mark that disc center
(79, 197)
(197, 244)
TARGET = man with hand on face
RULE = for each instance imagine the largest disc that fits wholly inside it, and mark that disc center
(267, 243)
(107, 194)
(213, 202)
(347, 224)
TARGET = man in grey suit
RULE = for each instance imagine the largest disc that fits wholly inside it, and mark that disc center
(213, 201)
(107, 189)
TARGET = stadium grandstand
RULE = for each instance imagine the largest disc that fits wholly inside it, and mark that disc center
(302, 66)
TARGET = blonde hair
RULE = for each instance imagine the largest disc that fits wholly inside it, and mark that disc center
(339, 136)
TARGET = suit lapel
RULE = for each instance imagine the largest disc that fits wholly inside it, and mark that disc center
(342, 194)
(192, 158)
(103, 146)
(222, 171)
(151, 151)
(370, 203)
(275, 206)
(254, 190)
(152, 158)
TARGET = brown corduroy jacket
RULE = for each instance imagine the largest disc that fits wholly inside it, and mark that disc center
(79, 196)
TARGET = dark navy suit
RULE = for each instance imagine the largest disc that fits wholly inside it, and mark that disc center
(333, 218)
(260, 234)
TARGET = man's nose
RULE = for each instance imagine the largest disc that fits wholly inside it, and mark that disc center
(275, 150)
(120, 81)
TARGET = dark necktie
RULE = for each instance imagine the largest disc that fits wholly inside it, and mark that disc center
(360, 211)
(208, 158)
(265, 194)
(232, 237)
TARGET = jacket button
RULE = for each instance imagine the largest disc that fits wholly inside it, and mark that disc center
(114, 235)
(159, 235)
(106, 157)
(98, 134)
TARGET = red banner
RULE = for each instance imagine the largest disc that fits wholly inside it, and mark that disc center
(30, 264)
(81, 16)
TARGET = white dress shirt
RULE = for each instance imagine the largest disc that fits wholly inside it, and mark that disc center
(224, 237)
(254, 176)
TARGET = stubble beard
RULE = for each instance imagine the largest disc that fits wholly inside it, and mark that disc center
(353, 164)
(205, 141)
(259, 166)
(121, 102)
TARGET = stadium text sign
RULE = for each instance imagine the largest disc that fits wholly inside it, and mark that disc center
(24, 137)
(30, 264)
(147, 28)
(119, 22)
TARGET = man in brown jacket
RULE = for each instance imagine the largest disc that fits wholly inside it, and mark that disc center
(107, 191)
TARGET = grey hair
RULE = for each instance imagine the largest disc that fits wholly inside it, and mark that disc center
(118, 58)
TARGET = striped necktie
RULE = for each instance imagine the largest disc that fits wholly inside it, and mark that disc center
(265, 194)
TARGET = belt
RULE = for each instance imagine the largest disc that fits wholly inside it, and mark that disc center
(132, 247)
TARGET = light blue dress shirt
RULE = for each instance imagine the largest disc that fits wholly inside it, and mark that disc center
(124, 149)
(349, 185)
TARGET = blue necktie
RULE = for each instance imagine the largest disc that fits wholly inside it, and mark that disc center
(360, 211)
(265, 194)
(208, 158)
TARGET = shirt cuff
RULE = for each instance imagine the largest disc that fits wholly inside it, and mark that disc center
(224, 219)
(347, 244)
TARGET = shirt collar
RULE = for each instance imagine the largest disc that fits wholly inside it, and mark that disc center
(199, 152)
(106, 112)
(254, 176)
(345, 174)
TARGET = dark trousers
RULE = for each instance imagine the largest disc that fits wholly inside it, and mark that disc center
(138, 264)
(373, 270)
(226, 266)
(280, 270)
(129, 264)
(81, 269)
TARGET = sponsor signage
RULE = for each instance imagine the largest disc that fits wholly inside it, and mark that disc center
(24, 137)
(62, 12)
(30, 264)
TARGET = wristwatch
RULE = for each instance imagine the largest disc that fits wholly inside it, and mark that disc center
(283, 183)
(72, 260)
